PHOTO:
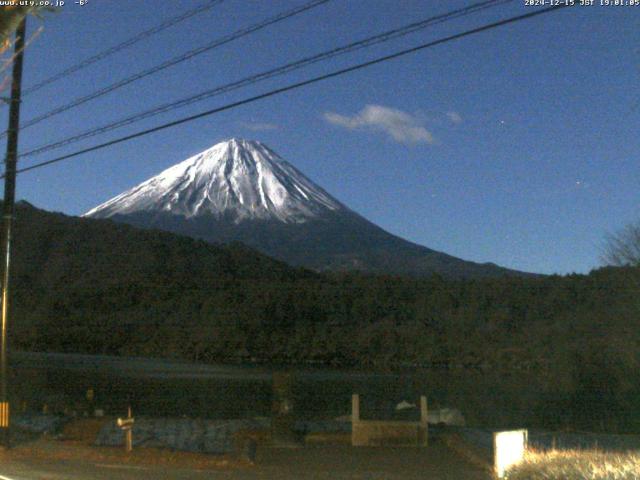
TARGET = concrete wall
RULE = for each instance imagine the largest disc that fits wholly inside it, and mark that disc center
(375, 433)
(381, 432)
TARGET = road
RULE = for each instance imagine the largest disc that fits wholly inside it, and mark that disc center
(435, 462)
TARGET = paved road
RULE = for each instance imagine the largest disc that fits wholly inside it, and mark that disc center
(318, 463)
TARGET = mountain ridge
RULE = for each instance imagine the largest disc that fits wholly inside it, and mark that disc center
(241, 190)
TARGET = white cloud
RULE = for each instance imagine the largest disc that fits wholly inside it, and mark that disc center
(454, 117)
(401, 126)
(259, 126)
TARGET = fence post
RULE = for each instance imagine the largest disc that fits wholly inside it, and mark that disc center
(423, 432)
(129, 433)
(282, 420)
(126, 424)
(355, 408)
(355, 420)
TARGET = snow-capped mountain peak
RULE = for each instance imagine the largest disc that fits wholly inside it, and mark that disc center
(238, 179)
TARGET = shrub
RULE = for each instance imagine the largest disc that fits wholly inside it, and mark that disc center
(578, 465)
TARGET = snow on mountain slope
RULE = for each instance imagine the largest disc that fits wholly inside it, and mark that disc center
(241, 191)
(237, 179)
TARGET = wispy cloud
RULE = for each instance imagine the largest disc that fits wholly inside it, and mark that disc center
(401, 126)
(258, 126)
(454, 117)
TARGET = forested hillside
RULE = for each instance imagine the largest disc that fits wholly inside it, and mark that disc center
(94, 286)
(98, 286)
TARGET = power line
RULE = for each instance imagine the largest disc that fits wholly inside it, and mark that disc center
(281, 70)
(294, 86)
(174, 61)
(121, 46)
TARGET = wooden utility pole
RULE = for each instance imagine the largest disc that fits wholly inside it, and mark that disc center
(8, 213)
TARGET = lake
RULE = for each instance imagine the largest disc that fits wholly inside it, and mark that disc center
(158, 387)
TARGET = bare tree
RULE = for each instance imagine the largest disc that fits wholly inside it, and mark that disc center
(623, 248)
(10, 17)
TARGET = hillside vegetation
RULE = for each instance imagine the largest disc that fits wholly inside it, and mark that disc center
(94, 286)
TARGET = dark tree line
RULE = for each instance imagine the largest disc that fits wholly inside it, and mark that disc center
(98, 287)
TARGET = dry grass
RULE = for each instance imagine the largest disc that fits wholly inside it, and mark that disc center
(577, 465)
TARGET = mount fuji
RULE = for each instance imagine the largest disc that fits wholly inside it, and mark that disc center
(240, 190)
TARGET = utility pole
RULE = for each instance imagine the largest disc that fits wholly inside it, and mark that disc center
(8, 213)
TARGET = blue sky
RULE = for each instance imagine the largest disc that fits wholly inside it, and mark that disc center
(517, 146)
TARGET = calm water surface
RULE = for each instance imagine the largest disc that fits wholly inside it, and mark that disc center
(157, 387)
